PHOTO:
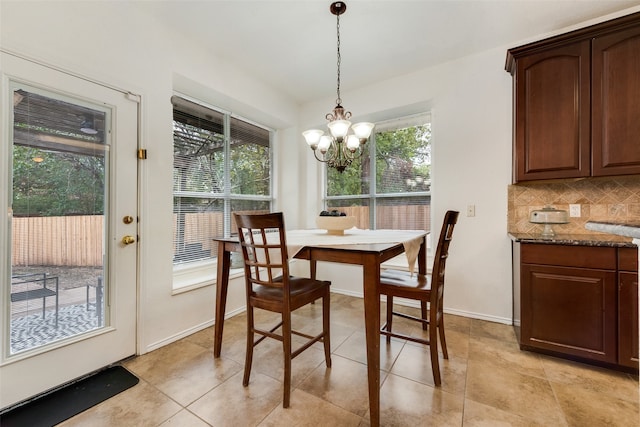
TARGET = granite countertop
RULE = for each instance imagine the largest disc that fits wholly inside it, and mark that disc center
(626, 229)
(595, 239)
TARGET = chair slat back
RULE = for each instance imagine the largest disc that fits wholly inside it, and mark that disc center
(440, 259)
(264, 248)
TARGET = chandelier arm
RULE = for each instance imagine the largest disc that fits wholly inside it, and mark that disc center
(315, 154)
(329, 155)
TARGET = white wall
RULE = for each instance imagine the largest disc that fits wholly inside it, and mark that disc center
(470, 101)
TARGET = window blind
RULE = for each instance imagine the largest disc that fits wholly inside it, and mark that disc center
(221, 164)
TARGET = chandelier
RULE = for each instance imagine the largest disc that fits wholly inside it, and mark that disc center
(339, 148)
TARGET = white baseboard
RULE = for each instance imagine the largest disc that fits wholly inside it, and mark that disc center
(197, 328)
(415, 304)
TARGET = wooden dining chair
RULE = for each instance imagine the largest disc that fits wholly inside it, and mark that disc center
(270, 287)
(426, 289)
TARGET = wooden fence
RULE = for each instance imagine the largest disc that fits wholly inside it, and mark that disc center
(57, 240)
(78, 240)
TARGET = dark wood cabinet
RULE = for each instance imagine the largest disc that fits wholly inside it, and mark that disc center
(577, 103)
(552, 106)
(615, 108)
(628, 308)
(576, 302)
(569, 310)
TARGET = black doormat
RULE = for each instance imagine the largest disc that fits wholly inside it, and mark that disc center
(70, 400)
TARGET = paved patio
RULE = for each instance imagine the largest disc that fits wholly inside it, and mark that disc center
(29, 329)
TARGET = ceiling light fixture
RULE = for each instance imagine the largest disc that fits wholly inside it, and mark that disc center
(87, 126)
(339, 148)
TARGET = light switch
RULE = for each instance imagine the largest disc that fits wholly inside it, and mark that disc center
(471, 210)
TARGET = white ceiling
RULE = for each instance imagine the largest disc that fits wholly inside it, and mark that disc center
(291, 45)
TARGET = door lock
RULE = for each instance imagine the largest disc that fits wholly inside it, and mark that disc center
(127, 219)
(127, 240)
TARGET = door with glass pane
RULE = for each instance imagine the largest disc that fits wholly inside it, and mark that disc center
(69, 273)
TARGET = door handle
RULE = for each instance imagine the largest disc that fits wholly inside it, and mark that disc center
(127, 240)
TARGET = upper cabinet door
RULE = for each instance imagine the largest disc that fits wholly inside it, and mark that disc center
(552, 110)
(616, 103)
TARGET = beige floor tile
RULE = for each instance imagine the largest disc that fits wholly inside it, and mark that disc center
(457, 343)
(601, 380)
(583, 407)
(204, 338)
(355, 348)
(408, 403)
(184, 418)
(401, 325)
(183, 370)
(345, 385)
(516, 393)
(457, 323)
(142, 405)
(268, 359)
(506, 354)
(499, 331)
(231, 404)
(479, 415)
(414, 363)
(311, 411)
(487, 380)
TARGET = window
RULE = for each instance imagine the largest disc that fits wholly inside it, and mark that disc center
(390, 185)
(221, 164)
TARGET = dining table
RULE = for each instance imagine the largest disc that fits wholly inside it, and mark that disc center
(368, 248)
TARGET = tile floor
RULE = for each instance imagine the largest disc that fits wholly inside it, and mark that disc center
(487, 381)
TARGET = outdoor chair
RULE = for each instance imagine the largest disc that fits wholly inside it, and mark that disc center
(31, 286)
(426, 289)
(270, 287)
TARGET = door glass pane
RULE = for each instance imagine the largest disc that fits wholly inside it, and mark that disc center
(59, 196)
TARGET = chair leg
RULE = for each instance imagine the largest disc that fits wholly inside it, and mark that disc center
(443, 341)
(326, 330)
(389, 316)
(286, 344)
(249, 353)
(423, 311)
(433, 349)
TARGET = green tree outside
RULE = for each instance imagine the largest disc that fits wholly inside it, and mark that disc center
(403, 164)
(56, 184)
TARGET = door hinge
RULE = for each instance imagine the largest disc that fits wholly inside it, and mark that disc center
(142, 153)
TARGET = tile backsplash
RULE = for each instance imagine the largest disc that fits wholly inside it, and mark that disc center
(600, 199)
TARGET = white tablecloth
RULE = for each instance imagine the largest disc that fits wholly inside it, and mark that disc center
(411, 239)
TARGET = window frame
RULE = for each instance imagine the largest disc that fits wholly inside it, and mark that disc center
(372, 197)
(193, 274)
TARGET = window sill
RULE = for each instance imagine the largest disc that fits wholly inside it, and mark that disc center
(196, 275)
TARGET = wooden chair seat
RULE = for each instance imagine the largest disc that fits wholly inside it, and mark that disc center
(428, 289)
(405, 284)
(302, 290)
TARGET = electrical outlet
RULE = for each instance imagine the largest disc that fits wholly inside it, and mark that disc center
(574, 211)
(471, 210)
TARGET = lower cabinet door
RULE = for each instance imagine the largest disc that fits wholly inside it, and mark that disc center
(571, 311)
(628, 319)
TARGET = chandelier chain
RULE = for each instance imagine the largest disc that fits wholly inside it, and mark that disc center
(338, 149)
(338, 100)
